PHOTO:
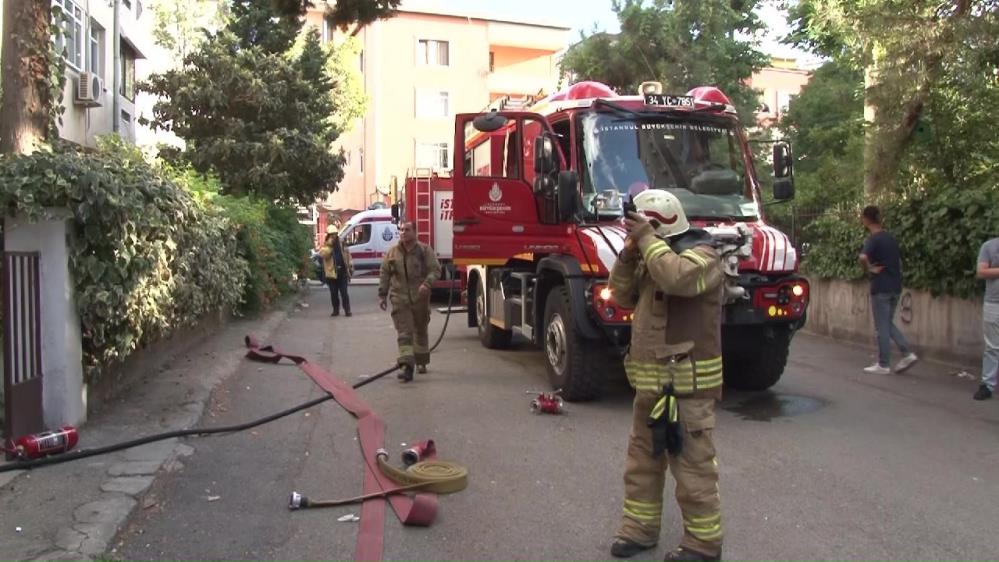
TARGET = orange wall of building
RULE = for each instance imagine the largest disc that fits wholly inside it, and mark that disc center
(390, 130)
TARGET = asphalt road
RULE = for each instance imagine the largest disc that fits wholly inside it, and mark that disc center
(831, 464)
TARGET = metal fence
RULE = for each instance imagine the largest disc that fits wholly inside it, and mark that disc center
(22, 343)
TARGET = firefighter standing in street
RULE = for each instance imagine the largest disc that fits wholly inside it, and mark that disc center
(408, 273)
(672, 277)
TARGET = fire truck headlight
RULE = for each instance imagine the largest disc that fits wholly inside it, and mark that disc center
(797, 290)
(605, 294)
(609, 312)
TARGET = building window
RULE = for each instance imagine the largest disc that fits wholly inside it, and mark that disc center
(360, 160)
(127, 89)
(784, 100)
(96, 61)
(434, 155)
(72, 41)
(432, 53)
(432, 104)
(329, 30)
(492, 61)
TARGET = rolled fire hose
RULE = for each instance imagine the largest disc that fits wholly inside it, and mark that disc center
(431, 475)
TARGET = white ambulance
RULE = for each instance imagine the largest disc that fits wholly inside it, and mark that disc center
(367, 236)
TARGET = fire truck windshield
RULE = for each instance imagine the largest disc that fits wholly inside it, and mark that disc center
(697, 157)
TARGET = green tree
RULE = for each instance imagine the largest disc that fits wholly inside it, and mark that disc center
(344, 14)
(682, 43)
(180, 24)
(255, 111)
(825, 125)
(908, 50)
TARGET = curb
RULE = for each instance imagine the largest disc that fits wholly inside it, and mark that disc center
(124, 484)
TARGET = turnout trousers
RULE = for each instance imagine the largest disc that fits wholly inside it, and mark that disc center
(411, 322)
(695, 470)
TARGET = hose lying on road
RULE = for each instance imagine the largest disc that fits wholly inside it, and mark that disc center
(86, 453)
(431, 475)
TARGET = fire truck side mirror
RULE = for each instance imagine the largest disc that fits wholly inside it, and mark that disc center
(396, 212)
(784, 189)
(568, 195)
(544, 156)
(783, 167)
(489, 122)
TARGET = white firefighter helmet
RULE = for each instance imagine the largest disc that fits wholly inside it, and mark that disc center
(332, 229)
(664, 208)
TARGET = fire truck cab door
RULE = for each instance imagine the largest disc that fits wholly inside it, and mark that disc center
(495, 203)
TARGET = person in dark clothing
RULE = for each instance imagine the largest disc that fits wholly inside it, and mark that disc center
(338, 269)
(882, 260)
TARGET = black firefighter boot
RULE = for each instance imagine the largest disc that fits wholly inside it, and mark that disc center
(686, 555)
(407, 373)
(624, 548)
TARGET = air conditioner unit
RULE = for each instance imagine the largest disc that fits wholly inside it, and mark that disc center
(89, 90)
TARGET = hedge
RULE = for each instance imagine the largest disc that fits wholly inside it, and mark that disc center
(147, 258)
(939, 231)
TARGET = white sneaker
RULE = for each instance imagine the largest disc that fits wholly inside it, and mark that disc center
(906, 362)
(876, 369)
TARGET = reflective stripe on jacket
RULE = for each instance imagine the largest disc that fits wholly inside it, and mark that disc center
(676, 328)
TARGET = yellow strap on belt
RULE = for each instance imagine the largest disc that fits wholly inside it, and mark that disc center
(664, 404)
(433, 475)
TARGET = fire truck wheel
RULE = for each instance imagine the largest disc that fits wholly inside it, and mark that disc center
(572, 362)
(490, 336)
(754, 357)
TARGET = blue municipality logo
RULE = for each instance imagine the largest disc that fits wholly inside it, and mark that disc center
(387, 234)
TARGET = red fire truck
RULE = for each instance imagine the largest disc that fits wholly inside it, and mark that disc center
(428, 198)
(538, 204)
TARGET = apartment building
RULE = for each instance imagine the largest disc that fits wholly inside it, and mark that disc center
(94, 105)
(422, 67)
(780, 83)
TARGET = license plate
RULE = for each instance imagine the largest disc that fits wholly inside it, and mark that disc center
(662, 100)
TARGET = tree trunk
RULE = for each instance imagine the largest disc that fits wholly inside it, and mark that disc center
(24, 111)
(889, 133)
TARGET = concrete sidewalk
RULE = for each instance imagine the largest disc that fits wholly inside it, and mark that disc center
(72, 511)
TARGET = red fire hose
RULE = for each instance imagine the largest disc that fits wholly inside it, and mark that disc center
(418, 510)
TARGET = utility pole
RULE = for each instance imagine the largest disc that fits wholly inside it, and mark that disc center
(116, 38)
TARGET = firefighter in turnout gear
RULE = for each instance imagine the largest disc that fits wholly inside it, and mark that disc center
(408, 273)
(672, 277)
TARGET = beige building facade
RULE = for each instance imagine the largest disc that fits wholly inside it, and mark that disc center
(421, 68)
(779, 83)
(87, 44)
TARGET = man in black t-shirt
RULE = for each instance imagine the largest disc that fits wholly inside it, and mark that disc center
(882, 260)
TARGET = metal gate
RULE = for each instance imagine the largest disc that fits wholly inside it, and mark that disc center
(22, 344)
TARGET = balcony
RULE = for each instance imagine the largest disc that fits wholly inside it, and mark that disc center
(524, 36)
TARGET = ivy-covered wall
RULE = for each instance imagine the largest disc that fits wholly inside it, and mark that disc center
(939, 231)
(149, 255)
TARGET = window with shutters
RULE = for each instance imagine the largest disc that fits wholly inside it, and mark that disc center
(431, 52)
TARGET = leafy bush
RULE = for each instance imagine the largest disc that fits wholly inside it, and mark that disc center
(269, 237)
(939, 231)
(146, 257)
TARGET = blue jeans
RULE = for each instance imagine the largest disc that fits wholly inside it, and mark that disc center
(990, 359)
(883, 306)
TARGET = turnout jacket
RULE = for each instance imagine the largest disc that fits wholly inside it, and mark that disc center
(402, 272)
(676, 328)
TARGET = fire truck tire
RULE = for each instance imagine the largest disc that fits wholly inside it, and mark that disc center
(573, 363)
(753, 357)
(490, 336)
